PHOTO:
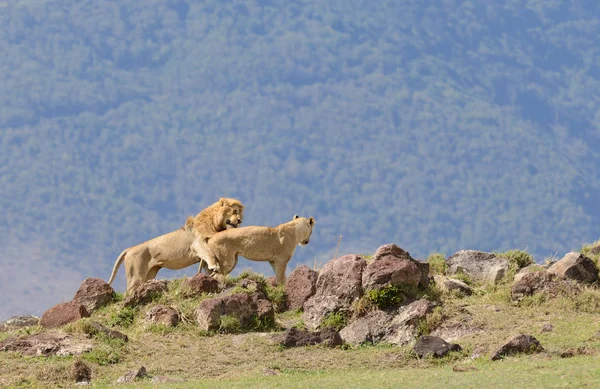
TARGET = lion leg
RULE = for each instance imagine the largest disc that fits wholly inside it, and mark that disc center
(152, 272)
(202, 251)
(136, 269)
(279, 269)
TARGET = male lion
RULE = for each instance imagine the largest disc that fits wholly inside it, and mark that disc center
(174, 250)
(255, 243)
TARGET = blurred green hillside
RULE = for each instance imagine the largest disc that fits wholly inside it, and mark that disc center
(435, 125)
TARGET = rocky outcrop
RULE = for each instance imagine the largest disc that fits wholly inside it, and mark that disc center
(339, 284)
(478, 265)
(62, 314)
(146, 292)
(577, 267)
(390, 251)
(94, 293)
(434, 346)
(132, 375)
(398, 326)
(517, 345)
(300, 286)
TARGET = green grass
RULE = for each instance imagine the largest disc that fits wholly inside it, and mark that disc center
(335, 320)
(587, 248)
(522, 372)
(437, 264)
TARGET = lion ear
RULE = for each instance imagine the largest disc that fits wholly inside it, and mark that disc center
(311, 221)
(296, 216)
(222, 201)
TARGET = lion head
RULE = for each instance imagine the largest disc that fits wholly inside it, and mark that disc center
(305, 227)
(225, 213)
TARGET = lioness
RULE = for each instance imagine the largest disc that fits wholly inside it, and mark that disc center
(174, 250)
(255, 243)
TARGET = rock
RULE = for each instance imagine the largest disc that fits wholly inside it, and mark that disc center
(132, 375)
(541, 282)
(80, 372)
(452, 285)
(257, 289)
(396, 327)
(434, 346)
(330, 337)
(390, 271)
(94, 293)
(339, 284)
(391, 251)
(294, 337)
(577, 267)
(526, 270)
(547, 328)
(16, 322)
(145, 293)
(199, 284)
(45, 344)
(62, 314)
(480, 266)
(300, 286)
(162, 314)
(265, 311)
(272, 281)
(519, 344)
(111, 334)
(240, 305)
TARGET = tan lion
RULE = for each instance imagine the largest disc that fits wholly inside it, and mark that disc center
(175, 250)
(275, 245)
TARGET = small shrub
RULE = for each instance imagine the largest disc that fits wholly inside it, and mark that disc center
(437, 263)
(586, 250)
(118, 297)
(123, 318)
(461, 276)
(387, 297)
(108, 351)
(588, 300)
(230, 325)
(336, 320)
(517, 258)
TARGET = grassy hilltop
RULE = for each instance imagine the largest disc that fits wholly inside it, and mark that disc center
(233, 358)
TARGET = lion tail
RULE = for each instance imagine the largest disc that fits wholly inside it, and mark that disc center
(118, 263)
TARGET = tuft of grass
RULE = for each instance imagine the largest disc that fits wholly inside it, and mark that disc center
(276, 294)
(517, 258)
(586, 250)
(230, 325)
(123, 318)
(437, 263)
(336, 320)
(461, 276)
(246, 273)
(107, 351)
(388, 296)
(431, 321)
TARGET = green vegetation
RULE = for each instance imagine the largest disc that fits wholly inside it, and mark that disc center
(336, 320)
(587, 251)
(123, 317)
(437, 263)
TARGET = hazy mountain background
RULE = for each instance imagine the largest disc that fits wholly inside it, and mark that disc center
(435, 125)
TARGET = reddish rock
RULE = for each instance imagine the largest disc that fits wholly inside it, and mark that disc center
(390, 271)
(519, 344)
(62, 314)
(133, 375)
(162, 314)
(300, 286)
(199, 284)
(240, 305)
(294, 337)
(391, 251)
(577, 267)
(339, 284)
(265, 311)
(146, 292)
(94, 293)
